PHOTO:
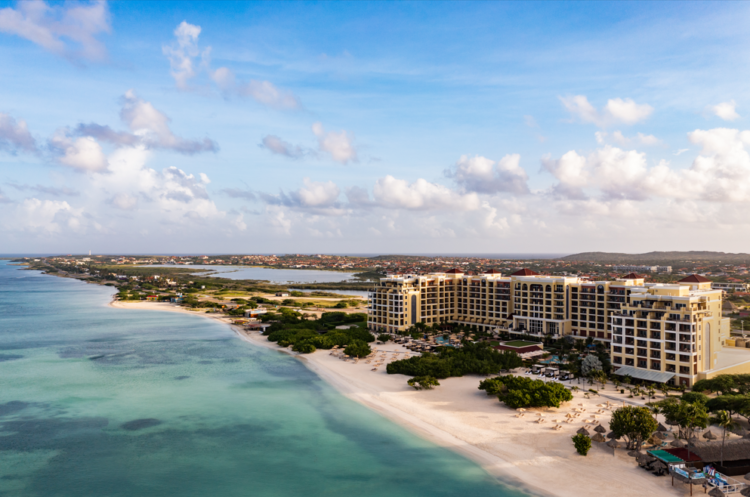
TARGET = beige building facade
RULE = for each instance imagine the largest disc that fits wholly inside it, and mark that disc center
(664, 332)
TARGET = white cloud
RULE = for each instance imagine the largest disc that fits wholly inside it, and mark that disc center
(83, 153)
(615, 111)
(124, 201)
(48, 217)
(482, 175)
(15, 135)
(152, 127)
(622, 140)
(149, 127)
(182, 52)
(339, 145)
(725, 110)
(421, 195)
(50, 27)
(317, 194)
(183, 56)
(276, 145)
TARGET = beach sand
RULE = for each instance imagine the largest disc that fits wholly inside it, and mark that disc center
(457, 415)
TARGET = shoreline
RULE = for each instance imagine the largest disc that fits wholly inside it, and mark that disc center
(518, 452)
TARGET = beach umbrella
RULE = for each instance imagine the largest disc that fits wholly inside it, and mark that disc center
(671, 423)
(661, 428)
(715, 492)
(677, 443)
(745, 492)
(611, 435)
(614, 444)
(747, 477)
(634, 453)
(709, 435)
(600, 429)
(583, 431)
(598, 438)
(660, 436)
(659, 465)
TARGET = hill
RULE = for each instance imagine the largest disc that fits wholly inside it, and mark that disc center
(659, 257)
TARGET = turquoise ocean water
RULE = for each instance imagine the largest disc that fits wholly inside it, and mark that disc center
(97, 401)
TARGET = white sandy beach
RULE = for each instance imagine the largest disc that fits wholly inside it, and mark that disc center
(457, 415)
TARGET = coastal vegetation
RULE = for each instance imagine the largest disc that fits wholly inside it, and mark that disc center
(635, 424)
(471, 358)
(582, 443)
(358, 348)
(306, 335)
(521, 392)
(423, 382)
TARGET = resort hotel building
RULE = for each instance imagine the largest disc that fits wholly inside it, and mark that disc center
(660, 332)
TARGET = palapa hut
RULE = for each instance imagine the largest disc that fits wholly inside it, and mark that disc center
(716, 492)
(598, 438)
(661, 428)
(736, 455)
(709, 435)
(677, 443)
(600, 429)
(583, 431)
(614, 444)
(745, 492)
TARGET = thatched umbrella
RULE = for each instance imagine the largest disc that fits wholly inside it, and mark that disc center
(635, 453)
(671, 423)
(747, 477)
(745, 492)
(614, 444)
(709, 435)
(598, 438)
(600, 429)
(716, 492)
(583, 431)
(611, 435)
(661, 428)
(660, 435)
(677, 443)
(658, 465)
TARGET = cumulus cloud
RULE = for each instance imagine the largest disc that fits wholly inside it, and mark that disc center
(149, 127)
(615, 111)
(124, 201)
(182, 52)
(53, 28)
(481, 175)
(720, 173)
(187, 60)
(48, 217)
(83, 153)
(725, 110)
(276, 145)
(338, 145)
(15, 135)
(421, 195)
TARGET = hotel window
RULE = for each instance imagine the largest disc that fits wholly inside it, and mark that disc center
(656, 365)
(684, 369)
(642, 363)
(618, 360)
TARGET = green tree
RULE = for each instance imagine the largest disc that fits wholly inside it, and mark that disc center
(358, 348)
(423, 382)
(384, 337)
(725, 421)
(582, 444)
(304, 348)
(519, 391)
(693, 397)
(634, 423)
(591, 363)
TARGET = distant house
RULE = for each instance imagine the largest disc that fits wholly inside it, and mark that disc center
(254, 313)
(345, 326)
(258, 326)
(152, 297)
(282, 294)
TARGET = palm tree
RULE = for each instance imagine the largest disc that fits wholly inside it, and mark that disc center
(725, 421)
(664, 389)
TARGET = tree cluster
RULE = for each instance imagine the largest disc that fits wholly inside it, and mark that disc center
(472, 358)
(633, 423)
(519, 391)
(292, 328)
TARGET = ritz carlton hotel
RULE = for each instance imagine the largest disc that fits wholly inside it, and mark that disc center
(672, 333)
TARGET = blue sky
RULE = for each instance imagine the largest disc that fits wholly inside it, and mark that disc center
(373, 127)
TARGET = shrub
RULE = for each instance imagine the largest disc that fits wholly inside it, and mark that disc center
(304, 348)
(384, 337)
(423, 382)
(519, 391)
(358, 348)
(472, 358)
(582, 444)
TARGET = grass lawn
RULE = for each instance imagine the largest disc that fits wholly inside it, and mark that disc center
(520, 343)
